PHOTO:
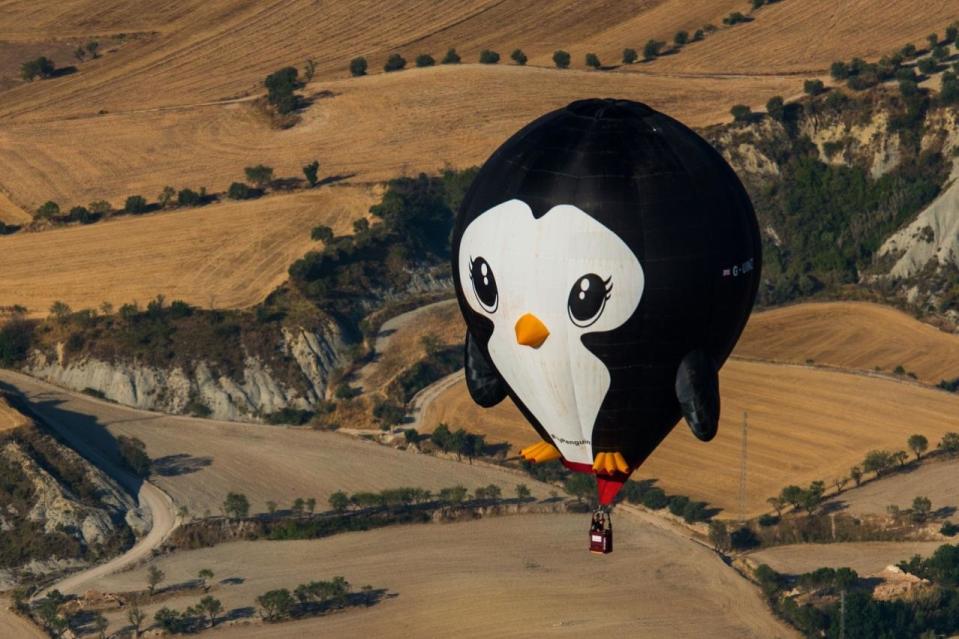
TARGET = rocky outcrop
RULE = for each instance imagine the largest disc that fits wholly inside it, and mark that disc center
(299, 381)
(58, 509)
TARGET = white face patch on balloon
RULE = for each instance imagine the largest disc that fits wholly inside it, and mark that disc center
(572, 274)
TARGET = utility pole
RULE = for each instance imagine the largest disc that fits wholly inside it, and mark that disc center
(742, 474)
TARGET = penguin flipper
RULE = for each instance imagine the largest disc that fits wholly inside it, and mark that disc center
(485, 385)
(697, 389)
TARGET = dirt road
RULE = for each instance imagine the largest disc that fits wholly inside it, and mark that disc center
(43, 400)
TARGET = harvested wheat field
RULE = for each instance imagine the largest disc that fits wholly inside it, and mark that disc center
(371, 129)
(223, 255)
(192, 52)
(852, 335)
(804, 424)
(10, 417)
(865, 557)
(806, 37)
(13, 626)
(517, 576)
(197, 462)
(937, 480)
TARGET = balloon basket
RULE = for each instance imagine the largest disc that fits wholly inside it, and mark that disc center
(601, 532)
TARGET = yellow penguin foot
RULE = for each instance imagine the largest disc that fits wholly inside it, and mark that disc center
(610, 463)
(541, 452)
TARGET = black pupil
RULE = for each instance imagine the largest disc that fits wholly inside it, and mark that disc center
(483, 282)
(586, 297)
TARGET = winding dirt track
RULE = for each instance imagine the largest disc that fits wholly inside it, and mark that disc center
(149, 496)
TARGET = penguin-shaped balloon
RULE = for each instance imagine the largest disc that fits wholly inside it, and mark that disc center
(606, 259)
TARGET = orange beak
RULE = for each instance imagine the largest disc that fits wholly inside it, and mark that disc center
(530, 331)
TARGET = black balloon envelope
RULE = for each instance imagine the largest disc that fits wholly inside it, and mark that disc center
(606, 259)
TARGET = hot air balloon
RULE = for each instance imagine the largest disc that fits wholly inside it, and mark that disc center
(606, 259)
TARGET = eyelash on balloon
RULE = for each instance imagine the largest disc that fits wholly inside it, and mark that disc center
(608, 282)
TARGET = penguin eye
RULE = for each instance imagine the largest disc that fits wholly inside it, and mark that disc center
(587, 299)
(484, 284)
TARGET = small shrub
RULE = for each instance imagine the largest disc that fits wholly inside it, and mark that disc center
(927, 66)
(734, 18)
(424, 60)
(813, 87)
(677, 503)
(358, 67)
(135, 204)
(487, 56)
(592, 60)
(41, 67)
(949, 529)
(630, 56)
(239, 191)
(188, 197)
(451, 57)
(395, 62)
(741, 113)
(518, 57)
(681, 38)
(561, 59)
(652, 49)
(655, 498)
(768, 520)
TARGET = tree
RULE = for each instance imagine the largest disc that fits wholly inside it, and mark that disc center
(48, 209)
(933, 40)
(358, 67)
(281, 89)
(451, 57)
(580, 485)
(431, 344)
(169, 620)
(592, 60)
(310, 172)
(60, 311)
(395, 62)
(100, 207)
(92, 48)
(921, 507)
(561, 59)
(778, 503)
(236, 505)
(41, 67)
(49, 611)
(135, 204)
(205, 575)
(813, 87)
(950, 444)
(80, 53)
(952, 31)
(901, 457)
(154, 577)
(210, 606)
(260, 175)
(311, 504)
(811, 498)
(411, 436)
(719, 535)
(453, 495)
(791, 495)
(629, 56)
(275, 604)
(239, 191)
(776, 108)
(856, 473)
(339, 501)
(927, 66)
(741, 113)
(135, 616)
(839, 70)
(440, 437)
(758, 3)
(309, 69)
(652, 49)
(522, 492)
(424, 60)
(488, 56)
(298, 505)
(133, 452)
(188, 197)
(271, 506)
(361, 225)
(940, 53)
(518, 57)
(166, 196)
(840, 483)
(877, 461)
(681, 38)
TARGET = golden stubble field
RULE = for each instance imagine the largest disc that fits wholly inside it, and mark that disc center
(854, 335)
(805, 423)
(223, 255)
(513, 576)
